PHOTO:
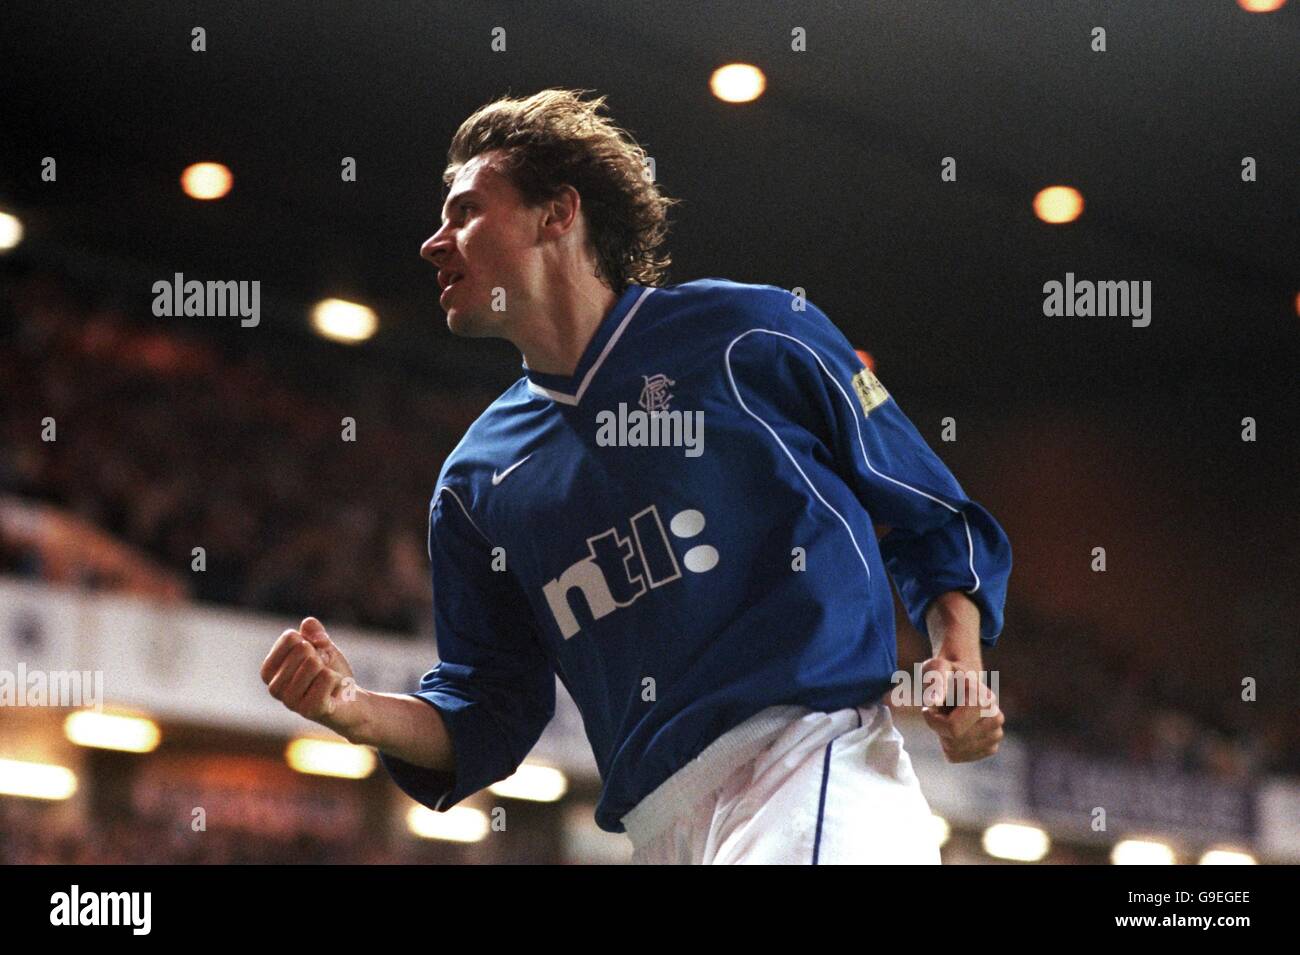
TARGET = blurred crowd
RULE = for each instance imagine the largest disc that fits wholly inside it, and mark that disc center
(131, 842)
(170, 444)
(1062, 685)
(28, 836)
(164, 443)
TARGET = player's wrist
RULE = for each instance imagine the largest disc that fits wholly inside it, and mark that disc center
(352, 717)
(953, 621)
(962, 654)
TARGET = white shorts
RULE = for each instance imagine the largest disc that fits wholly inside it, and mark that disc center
(791, 786)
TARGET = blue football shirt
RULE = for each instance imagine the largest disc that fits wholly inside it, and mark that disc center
(682, 531)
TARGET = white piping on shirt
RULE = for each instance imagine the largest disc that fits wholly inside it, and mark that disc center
(861, 444)
(586, 379)
(456, 498)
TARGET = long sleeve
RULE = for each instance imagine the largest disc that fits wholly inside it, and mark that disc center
(493, 685)
(806, 374)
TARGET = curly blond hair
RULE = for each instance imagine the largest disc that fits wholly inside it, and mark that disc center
(555, 138)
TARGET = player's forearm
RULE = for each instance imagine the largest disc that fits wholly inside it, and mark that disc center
(405, 727)
(954, 623)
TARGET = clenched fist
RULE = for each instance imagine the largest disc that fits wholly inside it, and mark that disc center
(967, 720)
(310, 675)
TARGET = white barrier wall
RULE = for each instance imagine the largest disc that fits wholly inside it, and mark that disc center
(201, 664)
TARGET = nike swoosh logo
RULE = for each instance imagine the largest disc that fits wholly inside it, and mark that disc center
(498, 478)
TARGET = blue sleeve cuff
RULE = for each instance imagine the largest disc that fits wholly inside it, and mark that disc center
(990, 615)
(927, 565)
(474, 735)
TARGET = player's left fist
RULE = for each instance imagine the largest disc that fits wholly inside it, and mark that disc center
(962, 711)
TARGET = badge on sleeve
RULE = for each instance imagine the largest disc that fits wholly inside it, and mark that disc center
(871, 393)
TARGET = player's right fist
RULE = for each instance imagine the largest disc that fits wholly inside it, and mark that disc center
(310, 675)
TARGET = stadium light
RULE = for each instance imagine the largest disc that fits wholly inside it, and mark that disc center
(343, 321)
(1019, 843)
(36, 780)
(1228, 857)
(1260, 6)
(457, 824)
(127, 734)
(1141, 852)
(1058, 204)
(738, 83)
(206, 180)
(326, 757)
(942, 831)
(534, 782)
(11, 231)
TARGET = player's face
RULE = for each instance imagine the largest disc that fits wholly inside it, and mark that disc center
(488, 239)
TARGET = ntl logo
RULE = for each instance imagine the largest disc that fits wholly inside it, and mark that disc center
(619, 568)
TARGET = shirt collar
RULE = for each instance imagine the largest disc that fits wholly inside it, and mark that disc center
(568, 389)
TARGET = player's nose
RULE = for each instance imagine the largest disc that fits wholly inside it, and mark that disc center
(435, 247)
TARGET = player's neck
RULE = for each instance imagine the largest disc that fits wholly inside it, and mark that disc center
(558, 330)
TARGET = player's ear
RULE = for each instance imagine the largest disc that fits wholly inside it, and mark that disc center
(562, 210)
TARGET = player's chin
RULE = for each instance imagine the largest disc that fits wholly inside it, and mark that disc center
(466, 323)
(458, 322)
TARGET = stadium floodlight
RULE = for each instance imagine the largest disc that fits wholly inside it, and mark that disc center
(127, 734)
(738, 83)
(11, 231)
(327, 757)
(457, 824)
(36, 780)
(942, 831)
(1058, 204)
(206, 181)
(1141, 852)
(1020, 843)
(1227, 857)
(1260, 6)
(343, 321)
(533, 781)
